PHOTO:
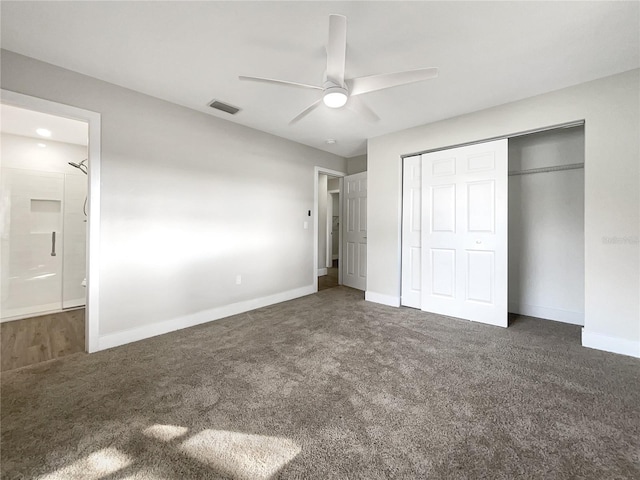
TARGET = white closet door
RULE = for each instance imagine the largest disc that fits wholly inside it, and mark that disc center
(464, 241)
(411, 231)
(354, 273)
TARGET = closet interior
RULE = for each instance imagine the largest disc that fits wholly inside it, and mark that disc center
(546, 225)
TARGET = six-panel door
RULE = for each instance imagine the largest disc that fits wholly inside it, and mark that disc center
(354, 273)
(464, 232)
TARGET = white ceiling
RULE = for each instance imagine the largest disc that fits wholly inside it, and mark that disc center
(19, 121)
(190, 53)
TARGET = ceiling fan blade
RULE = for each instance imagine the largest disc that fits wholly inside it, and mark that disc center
(336, 49)
(278, 82)
(306, 111)
(358, 86)
(361, 108)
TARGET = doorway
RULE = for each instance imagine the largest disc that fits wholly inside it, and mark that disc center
(544, 178)
(43, 246)
(51, 209)
(329, 221)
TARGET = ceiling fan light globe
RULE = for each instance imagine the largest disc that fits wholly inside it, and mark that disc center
(335, 97)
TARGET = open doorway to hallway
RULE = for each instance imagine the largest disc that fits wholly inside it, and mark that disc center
(334, 218)
(329, 221)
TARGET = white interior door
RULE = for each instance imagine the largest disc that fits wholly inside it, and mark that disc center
(354, 269)
(411, 231)
(464, 241)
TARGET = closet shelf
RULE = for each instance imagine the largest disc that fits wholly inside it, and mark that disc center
(570, 166)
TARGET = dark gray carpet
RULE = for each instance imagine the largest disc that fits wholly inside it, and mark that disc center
(329, 386)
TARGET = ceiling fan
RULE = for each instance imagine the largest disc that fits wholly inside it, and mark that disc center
(336, 89)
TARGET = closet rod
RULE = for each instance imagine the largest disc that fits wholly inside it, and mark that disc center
(570, 166)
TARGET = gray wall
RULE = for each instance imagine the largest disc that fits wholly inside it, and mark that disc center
(189, 201)
(356, 164)
(546, 226)
(609, 107)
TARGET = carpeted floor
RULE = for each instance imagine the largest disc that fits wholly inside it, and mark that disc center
(329, 386)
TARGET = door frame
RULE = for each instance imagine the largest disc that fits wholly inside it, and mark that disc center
(330, 215)
(93, 120)
(317, 171)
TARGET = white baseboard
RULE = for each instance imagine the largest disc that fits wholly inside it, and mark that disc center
(31, 311)
(147, 331)
(381, 298)
(322, 272)
(547, 313)
(76, 303)
(599, 341)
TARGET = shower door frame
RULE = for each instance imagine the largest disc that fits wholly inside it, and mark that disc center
(8, 97)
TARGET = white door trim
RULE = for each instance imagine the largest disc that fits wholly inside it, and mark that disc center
(330, 252)
(576, 123)
(316, 176)
(93, 238)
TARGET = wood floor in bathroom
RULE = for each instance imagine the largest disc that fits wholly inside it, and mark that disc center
(38, 339)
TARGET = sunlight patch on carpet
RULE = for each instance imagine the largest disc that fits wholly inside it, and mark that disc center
(240, 455)
(166, 433)
(97, 465)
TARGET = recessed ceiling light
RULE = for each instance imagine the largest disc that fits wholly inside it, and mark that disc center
(43, 132)
(42, 145)
(330, 141)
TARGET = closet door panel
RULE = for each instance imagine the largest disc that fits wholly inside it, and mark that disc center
(464, 261)
(411, 232)
(443, 208)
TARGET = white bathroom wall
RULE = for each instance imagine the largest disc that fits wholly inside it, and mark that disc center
(74, 270)
(546, 226)
(24, 152)
(189, 202)
(42, 193)
(609, 107)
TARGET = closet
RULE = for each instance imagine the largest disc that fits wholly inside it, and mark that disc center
(546, 225)
(497, 227)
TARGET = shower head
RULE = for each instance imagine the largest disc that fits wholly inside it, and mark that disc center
(80, 166)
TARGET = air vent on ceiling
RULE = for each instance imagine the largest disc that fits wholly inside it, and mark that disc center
(224, 107)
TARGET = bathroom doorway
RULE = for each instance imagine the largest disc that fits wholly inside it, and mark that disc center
(43, 234)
